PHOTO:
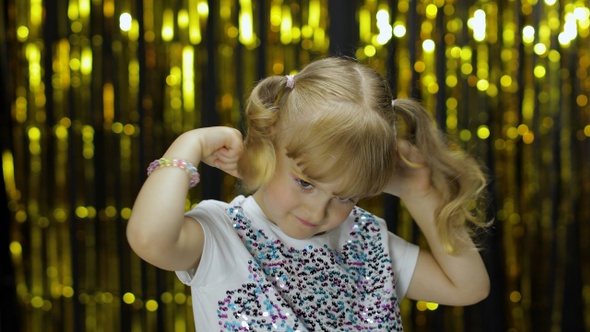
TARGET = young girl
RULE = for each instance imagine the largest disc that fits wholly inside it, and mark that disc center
(298, 254)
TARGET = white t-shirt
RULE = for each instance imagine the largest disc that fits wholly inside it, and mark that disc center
(253, 277)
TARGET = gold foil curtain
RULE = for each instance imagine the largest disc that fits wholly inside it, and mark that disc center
(95, 89)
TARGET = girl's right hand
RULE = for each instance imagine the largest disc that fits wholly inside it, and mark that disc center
(221, 147)
(158, 231)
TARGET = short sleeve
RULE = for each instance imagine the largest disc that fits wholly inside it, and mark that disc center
(220, 241)
(187, 277)
(404, 256)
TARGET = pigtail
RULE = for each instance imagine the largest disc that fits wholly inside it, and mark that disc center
(455, 174)
(256, 166)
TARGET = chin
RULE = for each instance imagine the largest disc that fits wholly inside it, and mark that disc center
(299, 235)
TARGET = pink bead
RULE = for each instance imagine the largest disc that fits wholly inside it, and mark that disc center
(189, 168)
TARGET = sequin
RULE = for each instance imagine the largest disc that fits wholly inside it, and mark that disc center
(314, 288)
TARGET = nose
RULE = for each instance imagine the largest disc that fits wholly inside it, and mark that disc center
(317, 208)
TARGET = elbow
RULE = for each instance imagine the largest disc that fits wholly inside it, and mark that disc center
(477, 294)
(138, 240)
(133, 238)
(480, 296)
(484, 290)
(153, 246)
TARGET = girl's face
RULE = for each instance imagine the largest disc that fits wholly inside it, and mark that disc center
(301, 207)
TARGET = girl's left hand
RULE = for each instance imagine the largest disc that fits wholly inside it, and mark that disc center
(411, 179)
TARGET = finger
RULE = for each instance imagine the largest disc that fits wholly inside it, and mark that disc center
(234, 141)
(229, 168)
(225, 160)
(410, 155)
(210, 161)
(226, 156)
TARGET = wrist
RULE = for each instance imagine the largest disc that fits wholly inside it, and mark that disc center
(188, 167)
(187, 146)
(423, 207)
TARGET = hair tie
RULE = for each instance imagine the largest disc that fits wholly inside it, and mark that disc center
(393, 103)
(290, 81)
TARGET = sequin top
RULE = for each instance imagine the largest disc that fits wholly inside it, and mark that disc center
(252, 277)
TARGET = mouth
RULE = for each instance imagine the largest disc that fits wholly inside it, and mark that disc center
(306, 223)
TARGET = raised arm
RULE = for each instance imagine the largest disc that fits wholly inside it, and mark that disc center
(452, 279)
(157, 230)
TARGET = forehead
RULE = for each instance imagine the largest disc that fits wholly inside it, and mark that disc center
(354, 155)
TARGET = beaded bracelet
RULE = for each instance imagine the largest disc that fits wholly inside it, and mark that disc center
(190, 169)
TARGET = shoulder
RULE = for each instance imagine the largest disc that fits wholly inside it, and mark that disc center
(372, 230)
(364, 221)
(212, 206)
(213, 212)
(364, 230)
(207, 208)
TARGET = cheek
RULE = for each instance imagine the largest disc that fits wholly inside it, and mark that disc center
(340, 213)
(279, 196)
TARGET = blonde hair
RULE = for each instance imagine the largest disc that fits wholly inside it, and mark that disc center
(337, 122)
(458, 177)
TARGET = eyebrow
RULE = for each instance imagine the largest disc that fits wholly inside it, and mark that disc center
(300, 174)
(313, 181)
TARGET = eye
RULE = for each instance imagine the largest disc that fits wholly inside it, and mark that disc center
(304, 184)
(345, 200)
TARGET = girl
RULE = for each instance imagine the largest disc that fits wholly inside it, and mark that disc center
(298, 254)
